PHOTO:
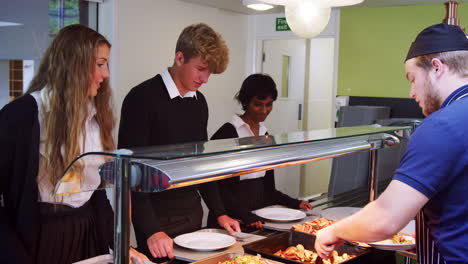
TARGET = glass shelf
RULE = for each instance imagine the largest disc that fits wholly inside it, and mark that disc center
(214, 147)
(154, 169)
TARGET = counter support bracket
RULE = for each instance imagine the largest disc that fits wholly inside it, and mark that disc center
(122, 212)
(373, 174)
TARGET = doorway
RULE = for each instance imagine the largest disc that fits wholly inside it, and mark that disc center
(284, 61)
(304, 71)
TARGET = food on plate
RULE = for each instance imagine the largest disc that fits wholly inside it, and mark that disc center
(246, 259)
(308, 256)
(312, 227)
(399, 239)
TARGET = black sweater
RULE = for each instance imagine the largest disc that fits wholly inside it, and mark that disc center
(150, 117)
(241, 197)
(19, 163)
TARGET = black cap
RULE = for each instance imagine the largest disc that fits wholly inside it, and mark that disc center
(438, 38)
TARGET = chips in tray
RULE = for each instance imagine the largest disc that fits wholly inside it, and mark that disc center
(312, 227)
(301, 254)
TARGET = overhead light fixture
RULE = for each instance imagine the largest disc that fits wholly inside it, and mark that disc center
(306, 18)
(278, 2)
(256, 5)
(7, 24)
(338, 3)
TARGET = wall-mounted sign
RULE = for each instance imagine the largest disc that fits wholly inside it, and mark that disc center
(281, 24)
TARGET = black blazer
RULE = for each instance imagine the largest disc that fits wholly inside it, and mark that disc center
(19, 164)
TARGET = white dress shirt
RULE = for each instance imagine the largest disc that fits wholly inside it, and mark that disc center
(172, 88)
(243, 130)
(90, 179)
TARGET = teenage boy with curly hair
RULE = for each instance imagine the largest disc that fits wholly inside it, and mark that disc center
(169, 109)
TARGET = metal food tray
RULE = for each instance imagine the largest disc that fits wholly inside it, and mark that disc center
(268, 246)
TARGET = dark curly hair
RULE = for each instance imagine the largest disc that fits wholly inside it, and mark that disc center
(259, 85)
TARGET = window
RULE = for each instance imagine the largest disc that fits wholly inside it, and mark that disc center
(285, 77)
(66, 12)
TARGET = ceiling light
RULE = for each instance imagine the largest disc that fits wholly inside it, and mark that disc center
(257, 5)
(337, 3)
(6, 24)
(306, 18)
(278, 2)
(324, 3)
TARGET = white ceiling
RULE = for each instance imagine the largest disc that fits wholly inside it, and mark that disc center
(236, 5)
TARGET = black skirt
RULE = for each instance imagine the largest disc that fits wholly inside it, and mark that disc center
(72, 234)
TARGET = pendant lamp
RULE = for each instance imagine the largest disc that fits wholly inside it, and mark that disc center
(338, 3)
(306, 18)
(278, 2)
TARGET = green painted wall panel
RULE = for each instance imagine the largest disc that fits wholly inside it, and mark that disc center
(374, 43)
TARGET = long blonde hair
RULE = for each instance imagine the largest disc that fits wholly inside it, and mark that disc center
(66, 69)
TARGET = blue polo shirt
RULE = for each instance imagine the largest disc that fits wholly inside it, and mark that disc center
(436, 164)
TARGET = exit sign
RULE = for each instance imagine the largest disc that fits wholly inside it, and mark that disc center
(281, 24)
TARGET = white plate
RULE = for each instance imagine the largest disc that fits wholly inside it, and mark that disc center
(204, 241)
(409, 229)
(338, 213)
(280, 214)
(394, 247)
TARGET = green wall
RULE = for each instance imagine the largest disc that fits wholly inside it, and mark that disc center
(374, 43)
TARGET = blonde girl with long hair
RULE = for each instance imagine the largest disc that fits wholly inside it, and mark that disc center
(66, 112)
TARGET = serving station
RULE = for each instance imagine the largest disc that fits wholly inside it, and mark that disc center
(160, 168)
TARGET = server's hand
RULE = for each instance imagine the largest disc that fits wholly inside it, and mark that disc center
(231, 225)
(160, 245)
(326, 241)
(137, 257)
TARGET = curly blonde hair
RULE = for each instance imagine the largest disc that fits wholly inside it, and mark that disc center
(201, 40)
(66, 69)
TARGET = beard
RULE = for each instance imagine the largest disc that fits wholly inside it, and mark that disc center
(432, 101)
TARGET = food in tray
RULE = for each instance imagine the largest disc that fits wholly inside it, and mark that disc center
(246, 259)
(335, 258)
(298, 253)
(308, 256)
(312, 227)
(399, 239)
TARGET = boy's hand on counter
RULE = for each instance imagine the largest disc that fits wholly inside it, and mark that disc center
(305, 205)
(231, 225)
(160, 245)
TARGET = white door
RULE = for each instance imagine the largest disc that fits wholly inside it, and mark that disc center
(284, 61)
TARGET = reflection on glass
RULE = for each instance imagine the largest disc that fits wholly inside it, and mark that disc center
(72, 182)
(232, 145)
